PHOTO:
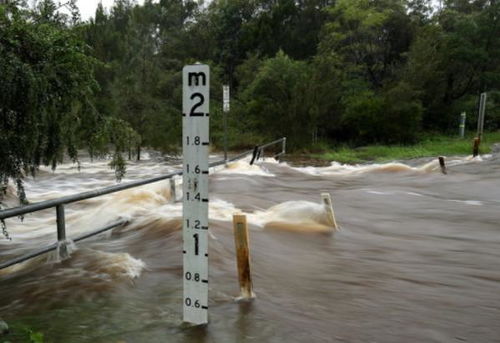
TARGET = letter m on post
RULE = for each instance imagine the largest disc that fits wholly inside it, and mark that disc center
(195, 78)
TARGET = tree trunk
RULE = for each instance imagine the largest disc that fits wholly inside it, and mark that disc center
(139, 152)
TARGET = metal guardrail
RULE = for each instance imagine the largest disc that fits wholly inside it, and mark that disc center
(60, 202)
(259, 149)
(58, 243)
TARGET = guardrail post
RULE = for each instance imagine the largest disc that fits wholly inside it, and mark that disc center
(173, 195)
(283, 150)
(61, 225)
(254, 154)
(61, 232)
(243, 256)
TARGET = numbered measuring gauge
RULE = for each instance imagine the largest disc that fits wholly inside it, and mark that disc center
(195, 138)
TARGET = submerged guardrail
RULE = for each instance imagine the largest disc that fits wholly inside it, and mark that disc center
(60, 202)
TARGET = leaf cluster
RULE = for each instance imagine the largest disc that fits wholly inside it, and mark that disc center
(46, 95)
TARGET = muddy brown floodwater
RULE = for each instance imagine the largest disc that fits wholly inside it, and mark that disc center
(417, 258)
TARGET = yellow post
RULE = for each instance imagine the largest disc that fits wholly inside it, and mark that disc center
(327, 202)
(243, 255)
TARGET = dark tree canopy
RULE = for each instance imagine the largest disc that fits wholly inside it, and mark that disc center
(356, 71)
(46, 94)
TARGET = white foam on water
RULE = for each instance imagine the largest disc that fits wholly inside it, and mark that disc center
(415, 194)
(244, 167)
(116, 265)
(293, 212)
(468, 202)
(112, 265)
(338, 169)
(125, 265)
(271, 160)
(221, 210)
(64, 250)
(145, 156)
(379, 192)
(126, 204)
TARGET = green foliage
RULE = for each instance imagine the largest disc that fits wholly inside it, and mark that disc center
(46, 92)
(403, 114)
(434, 145)
(21, 332)
(36, 337)
(342, 71)
(393, 115)
(455, 59)
(356, 71)
(492, 120)
(362, 115)
(369, 37)
(279, 100)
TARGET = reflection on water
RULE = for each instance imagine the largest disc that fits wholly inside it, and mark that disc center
(416, 259)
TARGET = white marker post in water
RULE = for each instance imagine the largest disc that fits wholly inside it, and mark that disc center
(480, 119)
(225, 109)
(195, 140)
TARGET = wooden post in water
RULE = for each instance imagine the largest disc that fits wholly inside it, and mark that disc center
(442, 165)
(475, 148)
(327, 202)
(243, 256)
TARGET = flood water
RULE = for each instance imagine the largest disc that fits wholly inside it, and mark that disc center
(417, 258)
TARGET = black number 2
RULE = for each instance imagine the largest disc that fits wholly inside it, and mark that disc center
(198, 104)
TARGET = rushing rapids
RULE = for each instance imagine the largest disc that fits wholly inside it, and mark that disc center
(416, 259)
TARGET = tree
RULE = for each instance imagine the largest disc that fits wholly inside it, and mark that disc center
(279, 101)
(45, 95)
(455, 58)
(361, 55)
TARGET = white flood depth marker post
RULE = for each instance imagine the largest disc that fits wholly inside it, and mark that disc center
(195, 140)
(225, 108)
(461, 130)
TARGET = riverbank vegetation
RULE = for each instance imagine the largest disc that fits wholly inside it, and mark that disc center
(331, 72)
(432, 145)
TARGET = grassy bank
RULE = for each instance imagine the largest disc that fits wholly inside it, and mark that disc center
(432, 146)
